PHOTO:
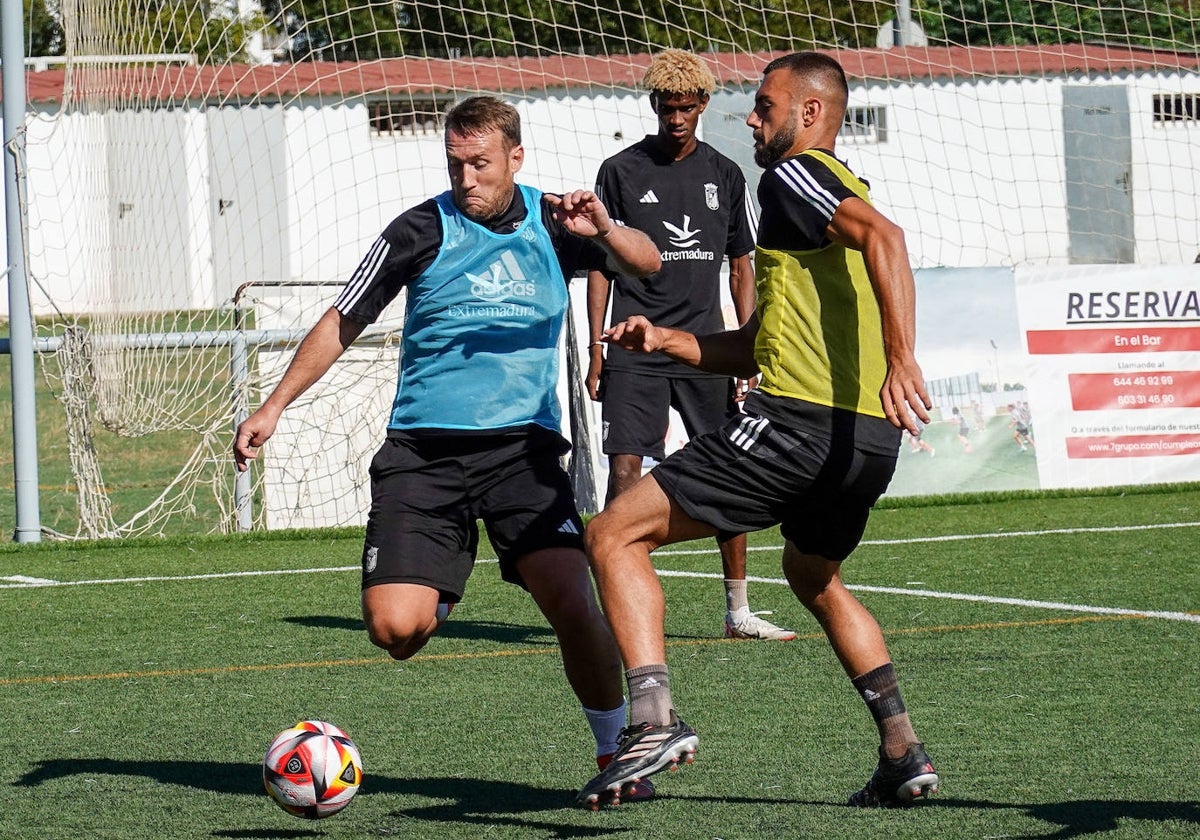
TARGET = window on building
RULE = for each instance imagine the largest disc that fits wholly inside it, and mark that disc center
(1176, 107)
(404, 116)
(864, 124)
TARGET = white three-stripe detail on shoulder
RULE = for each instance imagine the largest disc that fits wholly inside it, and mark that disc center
(363, 275)
(751, 215)
(804, 184)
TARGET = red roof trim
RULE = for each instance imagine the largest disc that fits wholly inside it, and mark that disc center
(281, 82)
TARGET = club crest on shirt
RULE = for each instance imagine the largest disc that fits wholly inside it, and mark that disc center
(710, 197)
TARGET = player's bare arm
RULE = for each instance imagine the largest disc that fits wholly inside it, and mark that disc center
(583, 214)
(856, 224)
(730, 353)
(597, 306)
(325, 342)
(742, 293)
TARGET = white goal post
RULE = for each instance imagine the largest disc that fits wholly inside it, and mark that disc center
(237, 185)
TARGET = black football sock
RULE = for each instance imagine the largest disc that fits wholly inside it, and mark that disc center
(881, 692)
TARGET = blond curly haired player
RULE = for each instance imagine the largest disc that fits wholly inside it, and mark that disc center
(692, 201)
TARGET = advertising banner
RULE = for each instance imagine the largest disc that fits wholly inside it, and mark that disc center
(1114, 366)
(970, 349)
(1046, 377)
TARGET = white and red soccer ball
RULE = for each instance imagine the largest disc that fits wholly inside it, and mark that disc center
(312, 770)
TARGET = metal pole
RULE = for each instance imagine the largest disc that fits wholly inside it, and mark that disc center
(239, 374)
(903, 16)
(20, 320)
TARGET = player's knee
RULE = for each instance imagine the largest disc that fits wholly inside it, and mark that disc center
(809, 580)
(808, 591)
(401, 639)
(573, 612)
(623, 474)
(598, 538)
(616, 536)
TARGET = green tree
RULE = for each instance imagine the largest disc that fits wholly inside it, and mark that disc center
(212, 30)
(346, 30)
(633, 26)
(352, 30)
(1163, 24)
(43, 30)
(337, 30)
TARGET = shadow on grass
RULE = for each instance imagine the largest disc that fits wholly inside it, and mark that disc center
(484, 631)
(489, 802)
(482, 802)
(1083, 817)
(214, 776)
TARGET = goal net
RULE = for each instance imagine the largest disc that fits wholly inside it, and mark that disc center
(202, 177)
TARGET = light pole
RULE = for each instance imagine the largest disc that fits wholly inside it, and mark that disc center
(996, 362)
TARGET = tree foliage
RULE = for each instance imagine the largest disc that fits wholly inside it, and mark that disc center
(1163, 24)
(350, 30)
(43, 31)
(212, 30)
(342, 30)
(337, 30)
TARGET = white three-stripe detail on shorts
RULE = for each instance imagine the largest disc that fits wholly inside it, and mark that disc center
(748, 431)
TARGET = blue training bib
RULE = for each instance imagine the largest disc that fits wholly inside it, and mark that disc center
(481, 330)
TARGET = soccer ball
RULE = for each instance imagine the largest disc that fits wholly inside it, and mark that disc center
(312, 770)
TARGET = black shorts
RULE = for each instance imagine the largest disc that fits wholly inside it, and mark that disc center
(635, 409)
(752, 474)
(427, 493)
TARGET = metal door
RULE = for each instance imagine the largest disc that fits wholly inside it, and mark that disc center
(1097, 153)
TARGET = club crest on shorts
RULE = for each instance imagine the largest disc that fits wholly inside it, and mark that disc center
(370, 558)
(710, 197)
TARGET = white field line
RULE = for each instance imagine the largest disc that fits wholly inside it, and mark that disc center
(23, 582)
(987, 599)
(995, 535)
(44, 582)
(962, 596)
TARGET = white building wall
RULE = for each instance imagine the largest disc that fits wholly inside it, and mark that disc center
(346, 183)
(158, 186)
(345, 186)
(972, 170)
(566, 137)
(1166, 173)
(247, 207)
(57, 209)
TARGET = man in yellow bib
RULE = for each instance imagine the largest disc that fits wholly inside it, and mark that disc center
(832, 339)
